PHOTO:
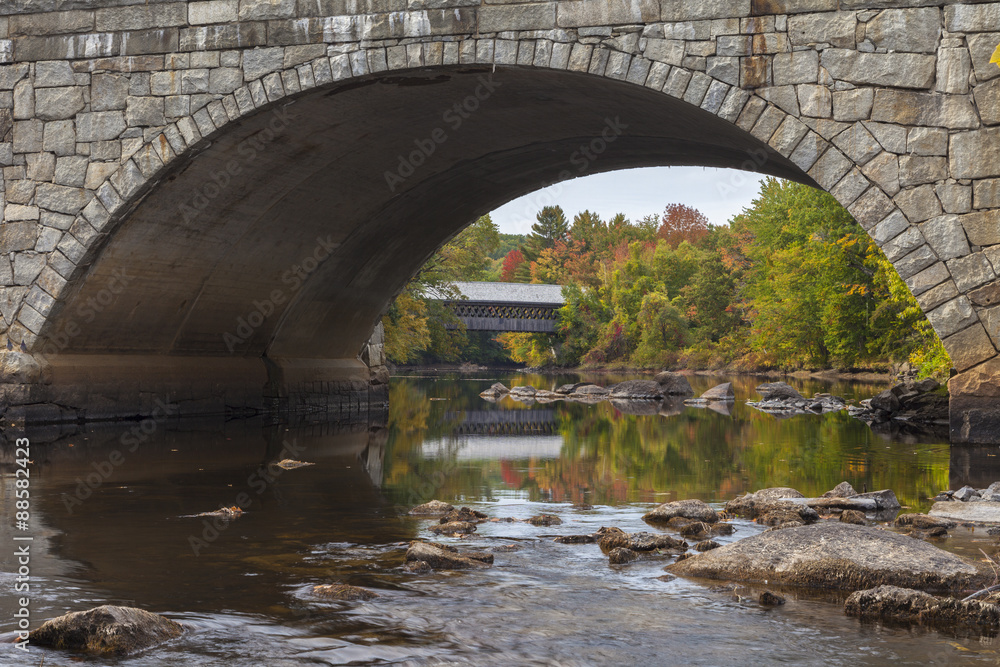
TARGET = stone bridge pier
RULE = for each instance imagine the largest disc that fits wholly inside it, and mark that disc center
(213, 201)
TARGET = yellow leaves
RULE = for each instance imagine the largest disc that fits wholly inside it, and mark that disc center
(996, 56)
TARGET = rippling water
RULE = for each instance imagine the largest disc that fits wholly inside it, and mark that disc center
(242, 589)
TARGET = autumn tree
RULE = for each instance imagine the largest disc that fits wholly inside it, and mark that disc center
(682, 223)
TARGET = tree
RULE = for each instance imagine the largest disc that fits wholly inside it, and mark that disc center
(682, 223)
(513, 260)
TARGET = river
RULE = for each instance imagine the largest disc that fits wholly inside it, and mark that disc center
(112, 523)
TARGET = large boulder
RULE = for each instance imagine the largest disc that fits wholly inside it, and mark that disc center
(981, 512)
(778, 390)
(442, 557)
(432, 508)
(496, 390)
(526, 390)
(343, 592)
(673, 384)
(689, 509)
(720, 392)
(107, 630)
(834, 555)
(842, 490)
(904, 605)
(644, 389)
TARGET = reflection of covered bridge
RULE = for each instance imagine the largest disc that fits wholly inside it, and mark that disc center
(508, 306)
(504, 422)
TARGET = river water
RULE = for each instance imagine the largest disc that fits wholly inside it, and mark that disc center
(242, 588)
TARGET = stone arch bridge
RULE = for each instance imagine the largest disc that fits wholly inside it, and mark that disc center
(211, 202)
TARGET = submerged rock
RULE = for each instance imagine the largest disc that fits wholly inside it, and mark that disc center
(442, 557)
(689, 509)
(673, 384)
(641, 389)
(699, 529)
(781, 399)
(526, 390)
(545, 520)
(576, 539)
(765, 507)
(707, 545)
(904, 605)
(464, 514)
(924, 521)
(834, 555)
(290, 464)
(652, 542)
(453, 528)
(107, 630)
(432, 508)
(853, 516)
(873, 501)
(770, 599)
(343, 592)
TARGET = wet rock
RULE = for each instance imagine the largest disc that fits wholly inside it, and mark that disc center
(965, 493)
(762, 505)
(853, 516)
(432, 508)
(784, 517)
(567, 389)
(780, 399)
(641, 389)
(233, 512)
(576, 539)
(911, 408)
(453, 528)
(924, 521)
(612, 538)
(707, 545)
(343, 592)
(496, 390)
(545, 520)
(673, 384)
(506, 548)
(290, 464)
(464, 514)
(622, 556)
(651, 542)
(699, 529)
(976, 512)
(582, 506)
(442, 557)
(837, 556)
(777, 493)
(770, 599)
(106, 630)
(777, 390)
(720, 392)
(842, 490)
(590, 390)
(904, 605)
(679, 522)
(417, 567)
(666, 577)
(526, 390)
(689, 509)
(874, 501)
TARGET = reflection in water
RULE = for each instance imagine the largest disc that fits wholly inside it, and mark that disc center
(122, 534)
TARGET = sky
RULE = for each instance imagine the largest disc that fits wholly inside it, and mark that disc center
(718, 193)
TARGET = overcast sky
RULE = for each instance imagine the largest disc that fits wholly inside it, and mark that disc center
(718, 193)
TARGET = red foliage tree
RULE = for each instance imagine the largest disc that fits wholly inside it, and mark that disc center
(513, 260)
(682, 223)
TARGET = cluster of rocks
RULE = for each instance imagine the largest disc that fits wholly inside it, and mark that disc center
(665, 384)
(781, 399)
(970, 504)
(909, 408)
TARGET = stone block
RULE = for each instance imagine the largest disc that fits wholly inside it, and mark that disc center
(988, 101)
(981, 50)
(889, 228)
(100, 125)
(969, 347)
(61, 199)
(850, 187)
(670, 51)
(830, 168)
(836, 28)
(41, 166)
(24, 100)
(71, 171)
(51, 23)
(953, 69)
(260, 61)
(858, 144)
(901, 70)
(927, 141)
(536, 16)
(27, 266)
(932, 286)
(17, 236)
(910, 108)
(225, 36)
(971, 271)
(254, 10)
(28, 136)
(946, 236)
(912, 30)
(919, 169)
(915, 262)
(971, 18)
(982, 227)
(693, 10)
(851, 105)
(214, 11)
(918, 204)
(108, 92)
(883, 170)
(986, 193)
(140, 17)
(725, 69)
(795, 67)
(54, 74)
(955, 198)
(58, 103)
(145, 112)
(974, 154)
(952, 316)
(734, 45)
(903, 244)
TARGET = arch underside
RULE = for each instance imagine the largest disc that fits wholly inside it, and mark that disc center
(288, 234)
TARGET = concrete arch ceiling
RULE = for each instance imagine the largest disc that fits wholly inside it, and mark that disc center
(290, 232)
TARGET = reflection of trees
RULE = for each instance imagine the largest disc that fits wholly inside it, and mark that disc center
(609, 457)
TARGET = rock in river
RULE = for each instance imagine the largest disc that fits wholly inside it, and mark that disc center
(673, 384)
(689, 509)
(454, 528)
(890, 603)
(432, 508)
(107, 630)
(442, 557)
(834, 555)
(343, 592)
(644, 389)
